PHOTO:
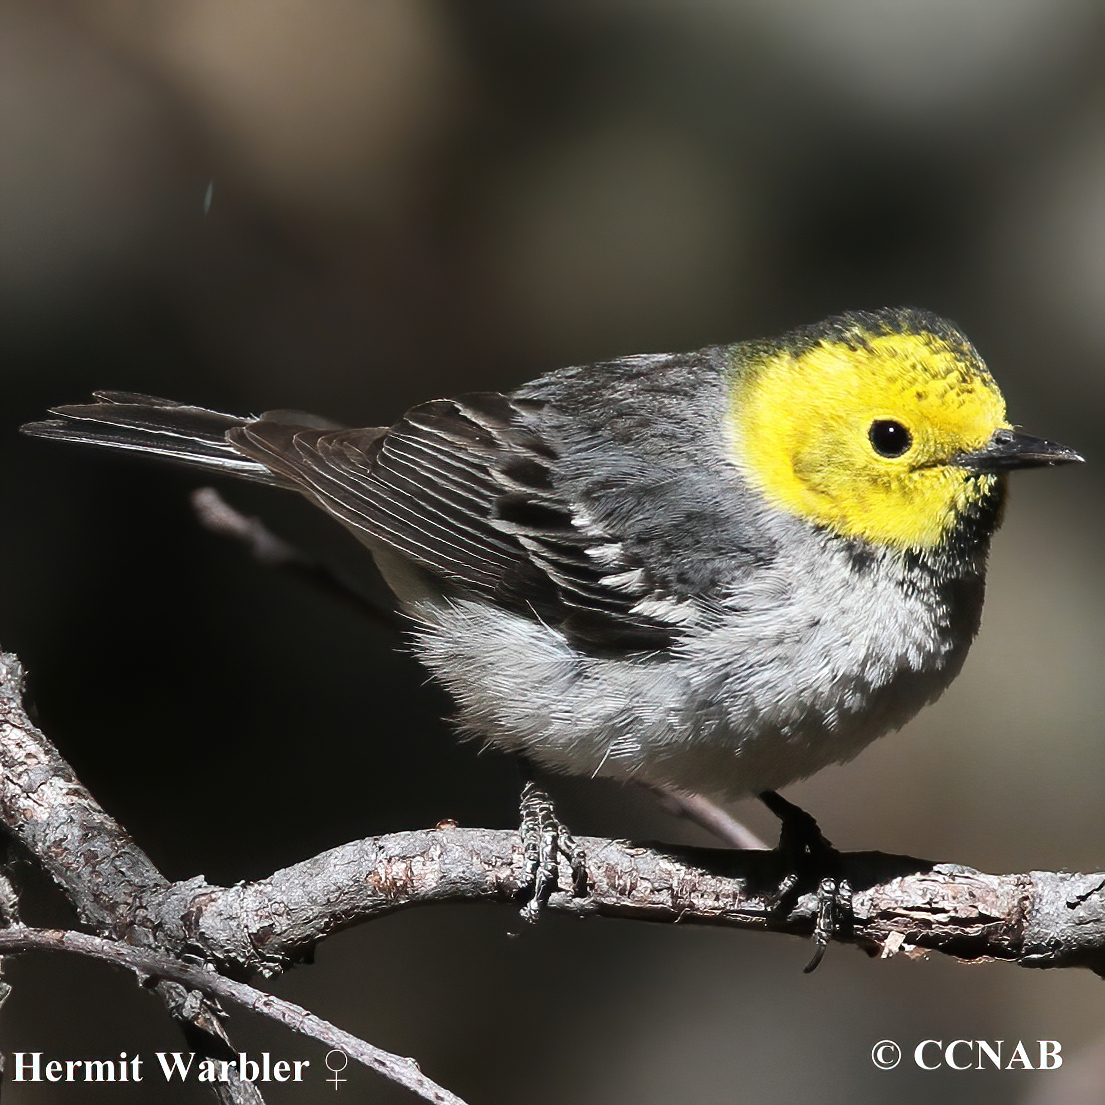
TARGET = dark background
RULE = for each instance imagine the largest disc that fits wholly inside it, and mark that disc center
(411, 198)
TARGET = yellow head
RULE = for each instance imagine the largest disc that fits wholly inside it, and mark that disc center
(884, 426)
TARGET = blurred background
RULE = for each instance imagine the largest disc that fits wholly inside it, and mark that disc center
(349, 206)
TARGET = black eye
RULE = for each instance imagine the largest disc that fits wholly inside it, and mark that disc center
(890, 439)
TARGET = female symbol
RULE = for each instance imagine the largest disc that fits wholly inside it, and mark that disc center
(336, 1069)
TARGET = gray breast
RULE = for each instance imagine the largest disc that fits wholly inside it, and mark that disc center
(801, 665)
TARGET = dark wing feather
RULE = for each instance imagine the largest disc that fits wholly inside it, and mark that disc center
(465, 488)
(146, 424)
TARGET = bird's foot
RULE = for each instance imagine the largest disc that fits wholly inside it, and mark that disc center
(811, 863)
(545, 839)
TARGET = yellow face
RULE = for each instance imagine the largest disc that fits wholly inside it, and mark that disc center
(864, 440)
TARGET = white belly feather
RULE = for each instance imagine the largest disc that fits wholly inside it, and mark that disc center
(795, 670)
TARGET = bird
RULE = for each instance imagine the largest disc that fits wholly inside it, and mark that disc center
(716, 571)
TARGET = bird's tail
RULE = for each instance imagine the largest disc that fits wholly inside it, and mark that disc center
(146, 424)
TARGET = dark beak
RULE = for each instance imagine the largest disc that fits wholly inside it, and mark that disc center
(1009, 449)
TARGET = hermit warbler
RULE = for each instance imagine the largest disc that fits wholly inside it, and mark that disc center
(716, 571)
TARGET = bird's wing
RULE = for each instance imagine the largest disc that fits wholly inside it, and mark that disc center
(464, 488)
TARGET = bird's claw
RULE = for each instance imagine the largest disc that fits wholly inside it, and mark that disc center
(545, 839)
(809, 856)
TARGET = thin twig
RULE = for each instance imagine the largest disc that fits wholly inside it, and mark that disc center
(395, 1067)
(706, 815)
(215, 514)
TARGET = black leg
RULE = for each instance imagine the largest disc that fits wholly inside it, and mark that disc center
(545, 839)
(812, 861)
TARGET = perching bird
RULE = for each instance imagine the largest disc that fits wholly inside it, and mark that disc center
(718, 571)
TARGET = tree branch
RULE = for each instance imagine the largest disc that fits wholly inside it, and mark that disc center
(901, 904)
(94, 861)
(1039, 919)
(88, 854)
